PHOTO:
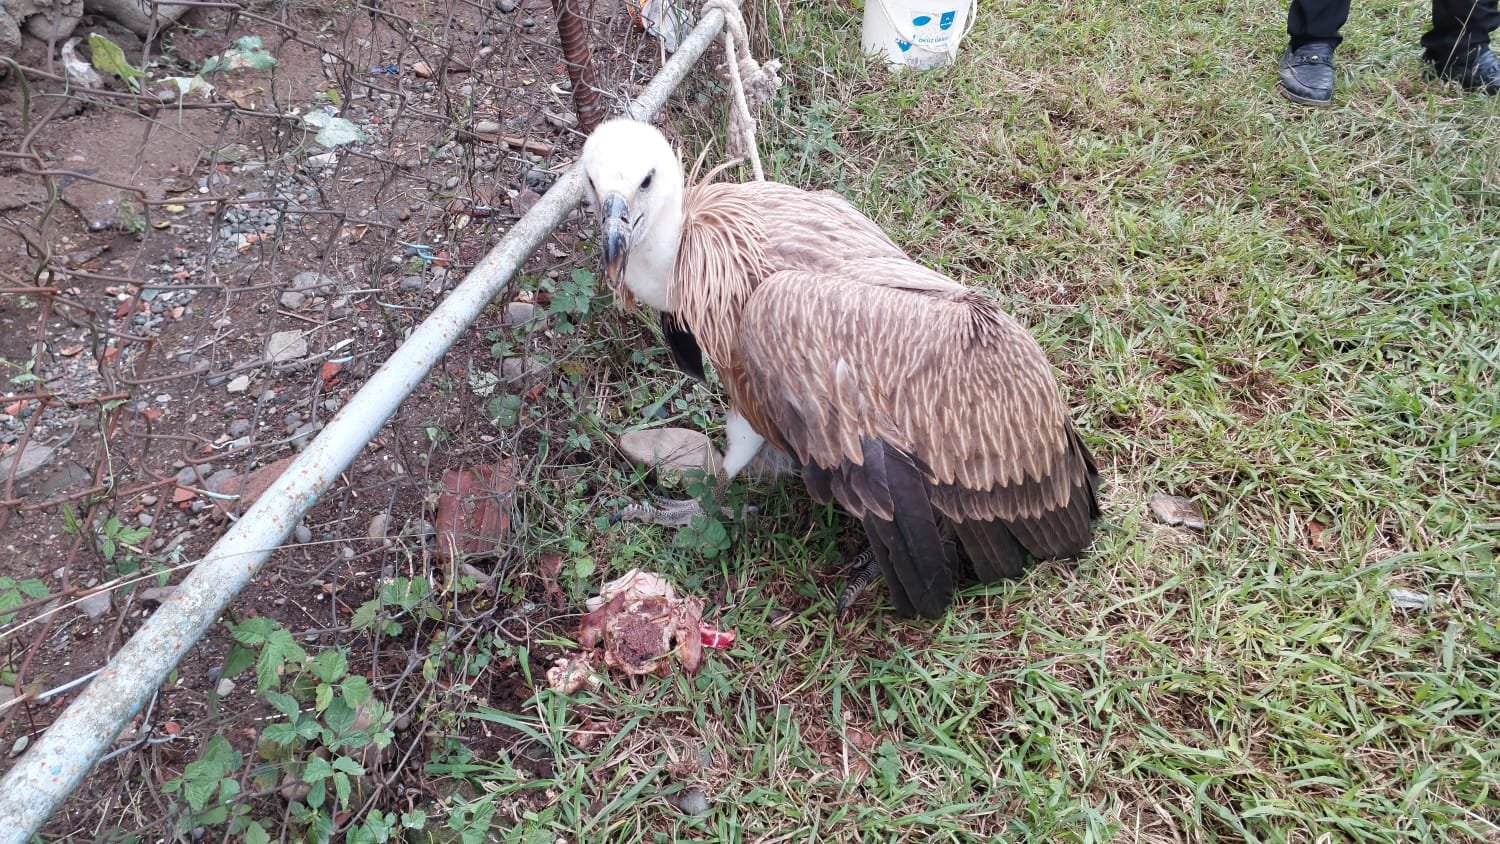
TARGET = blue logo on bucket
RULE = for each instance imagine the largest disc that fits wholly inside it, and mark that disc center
(921, 20)
(946, 21)
(904, 45)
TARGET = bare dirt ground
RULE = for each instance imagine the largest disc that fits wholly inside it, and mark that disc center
(192, 287)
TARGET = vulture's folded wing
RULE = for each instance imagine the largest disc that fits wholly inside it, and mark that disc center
(890, 351)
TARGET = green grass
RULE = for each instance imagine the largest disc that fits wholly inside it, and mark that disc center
(1290, 316)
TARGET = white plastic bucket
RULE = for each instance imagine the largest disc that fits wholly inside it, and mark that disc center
(916, 33)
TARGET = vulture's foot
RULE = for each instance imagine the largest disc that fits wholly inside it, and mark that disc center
(865, 570)
(669, 512)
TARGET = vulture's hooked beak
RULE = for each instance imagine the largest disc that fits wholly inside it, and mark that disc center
(614, 228)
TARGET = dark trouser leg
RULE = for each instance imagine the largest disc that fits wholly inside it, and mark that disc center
(1459, 27)
(1316, 20)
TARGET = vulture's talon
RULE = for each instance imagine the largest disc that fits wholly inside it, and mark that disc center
(667, 512)
(865, 569)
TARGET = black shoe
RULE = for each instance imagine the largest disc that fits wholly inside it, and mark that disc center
(1476, 70)
(1307, 74)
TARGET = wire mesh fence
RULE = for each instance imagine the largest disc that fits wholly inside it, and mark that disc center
(202, 255)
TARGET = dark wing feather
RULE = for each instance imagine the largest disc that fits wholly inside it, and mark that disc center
(683, 346)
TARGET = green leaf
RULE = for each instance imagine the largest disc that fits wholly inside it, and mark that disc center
(283, 703)
(240, 658)
(415, 819)
(365, 615)
(356, 690)
(252, 631)
(108, 57)
(256, 834)
(348, 766)
(341, 788)
(329, 665)
(282, 734)
(316, 770)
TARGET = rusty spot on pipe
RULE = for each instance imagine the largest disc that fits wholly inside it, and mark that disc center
(578, 55)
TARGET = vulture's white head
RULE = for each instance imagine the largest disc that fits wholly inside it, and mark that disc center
(634, 181)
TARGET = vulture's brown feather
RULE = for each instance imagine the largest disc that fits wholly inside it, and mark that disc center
(918, 404)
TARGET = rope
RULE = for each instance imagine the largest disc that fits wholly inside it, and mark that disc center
(752, 83)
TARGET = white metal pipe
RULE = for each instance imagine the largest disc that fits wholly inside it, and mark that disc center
(57, 763)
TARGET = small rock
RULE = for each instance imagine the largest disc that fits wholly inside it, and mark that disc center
(303, 534)
(157, 594)
(413, 282)
(94, 605)
(514, 369)
(193, 475)
(488, 127)
(538, 179)
(332, 405)
(690, 801)
(238, 427)
(29, 461)
(240, 384)
(313, 283)
(286, 345)
(1409, 599)
(506, 6)
(20, 746)
(219, 481)
(1176, 510)
(225, 686)
(293, 299)
(148, 500)
(519, 313)
(524, 201)
(379, 527)
(561, 120)
(145, 519)
(322, 160)
(303, 435)
(670, 448)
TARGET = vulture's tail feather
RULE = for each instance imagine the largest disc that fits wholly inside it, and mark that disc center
(991, 548)
(1064, 531)
(917, 560)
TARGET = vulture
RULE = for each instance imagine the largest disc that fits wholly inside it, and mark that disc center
(916, 403)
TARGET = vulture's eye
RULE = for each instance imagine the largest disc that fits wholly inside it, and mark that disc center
(646, 182)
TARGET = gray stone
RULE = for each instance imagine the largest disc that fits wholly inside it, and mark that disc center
(488, 127)
(314, 284)
(303, 435)
(67, 476)
(286, 345)
(690, 801)
(303, 534)
(193, 475)
(157, 594)
(219, 481)
(515, 369)
(95, 605)
(675, 449)
(413, 282)
(1176, 510)
(238, 427)
(240, 384)
(225, 686)
(519, 313)
(379, 527)
(34, 457)
(142, 19)
(293, 299)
